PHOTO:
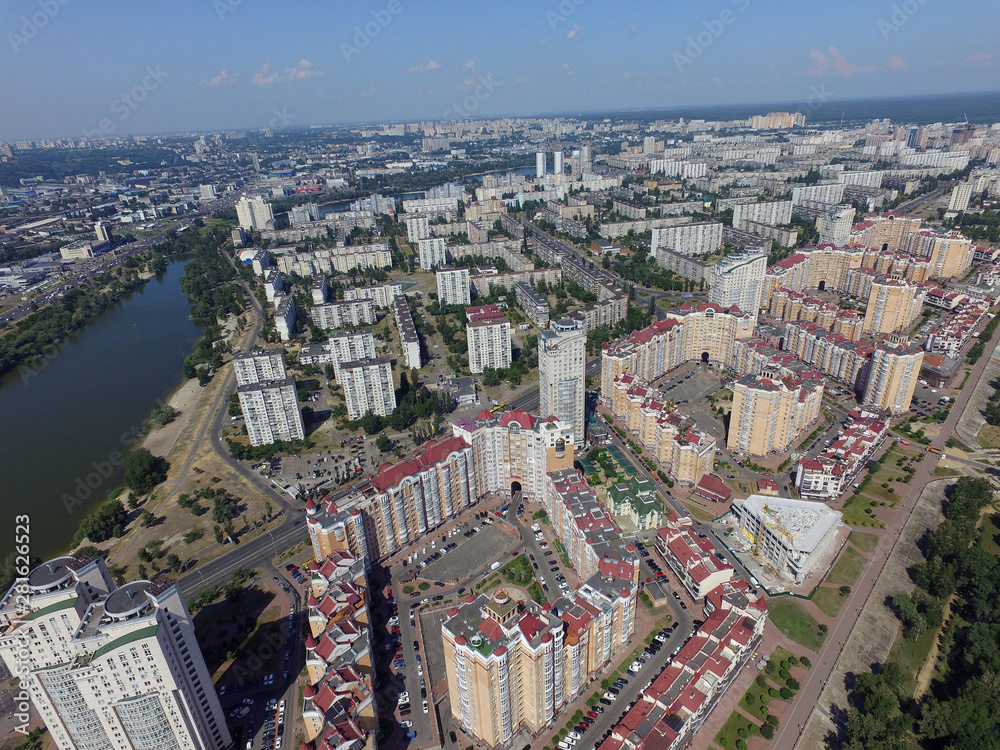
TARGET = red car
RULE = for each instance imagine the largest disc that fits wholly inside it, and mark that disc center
(592, 714)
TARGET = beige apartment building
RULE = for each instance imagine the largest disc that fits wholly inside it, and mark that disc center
(950, 253)
(893, 306)
(769, 412)
(892, 375)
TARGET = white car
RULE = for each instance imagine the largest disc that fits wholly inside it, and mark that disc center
(426, 708)
(574, 735)
(406, 724)
(403, 698)
(281, 706)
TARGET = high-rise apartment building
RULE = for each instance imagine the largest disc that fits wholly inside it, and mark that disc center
(254, 213)
(834, 225)
(772, 213)
(453, 287)
(884, 231)
(769, 412)
(284, 317)
(540, 164)
(513, 666)
(259, 366)
(433, 252)
(489, 344)
(738, 280)
(562, 368)
(409, 341)
(350, 346)
(368, 387)
(110, 668)
(271, 411)
(951, 253)
(359, 312)
(699, 238)
(103, 231)
(892, 375)
(557, 164)
(961, 194)
(893, 305)
(417, 228)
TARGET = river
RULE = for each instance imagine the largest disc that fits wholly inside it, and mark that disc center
(66, 419)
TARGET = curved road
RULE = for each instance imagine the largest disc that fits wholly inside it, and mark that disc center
(808, 699)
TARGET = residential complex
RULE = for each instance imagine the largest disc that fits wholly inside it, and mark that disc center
(699, 238)
(950, 253)
(685, 453)
(562, 368)
(772, 213)
(109, 666)
(893, 306)
(453, 287)
(488, 340)
(409, 341)
(338, 703)
(432, 251)
(260, 365)
(271, 411)
(355, 313)
(342, 346)
(738, 281)
(534, 305)
(892, 376)
(368, 387)
(636, 499)
(254, 213)
(770, 413)
(834, 470)
(692, 557)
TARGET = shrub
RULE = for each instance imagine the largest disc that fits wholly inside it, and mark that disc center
(783, 674)
(760, 681)
(767, 732)
(785, 693)
(804, 661)
(423, 585)
(743, 733)
(784, 664)
(407, 589)
(773, 692)
(772, 720)
(741, 745)
(763, 710)
(792, 683)
(793, 659)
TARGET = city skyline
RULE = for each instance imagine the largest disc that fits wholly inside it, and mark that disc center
(237, 64)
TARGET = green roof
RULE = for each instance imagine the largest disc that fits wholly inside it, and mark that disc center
(136, 635)
(64, 604)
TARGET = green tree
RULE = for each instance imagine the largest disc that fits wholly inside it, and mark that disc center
(174, 562)
(146, 519)
(143, 470)
(383, 443)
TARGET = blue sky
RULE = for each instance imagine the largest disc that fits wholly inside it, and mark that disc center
(145, 66)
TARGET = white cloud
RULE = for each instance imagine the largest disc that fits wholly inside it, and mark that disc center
(835, 64)
(629, 30)
(222, 79)
(425, 66)
(896, 62)
(564, 68)
(574, 32)
(979, 58)
(626, 76)
(519, 80)
(469, 65)
(302, 71)
(370, 91)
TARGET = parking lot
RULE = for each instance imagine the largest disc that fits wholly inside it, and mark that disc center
(691, 384)
(474, 553)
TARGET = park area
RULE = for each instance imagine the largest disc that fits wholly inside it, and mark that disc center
(792, 619)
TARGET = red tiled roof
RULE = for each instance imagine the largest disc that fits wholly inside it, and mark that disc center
(428, 457)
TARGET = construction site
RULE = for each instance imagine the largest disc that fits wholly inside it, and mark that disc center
(786, 544)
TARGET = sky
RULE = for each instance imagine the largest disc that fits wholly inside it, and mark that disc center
(75, 67)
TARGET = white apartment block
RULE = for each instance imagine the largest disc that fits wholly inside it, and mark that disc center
(960, 196)
(115, 668)
(453, 287)
(284, 316)
(834, 227)
(408, 339)
(773, 213)
(417, 228)
(738, 280)
(259, 366)
(350, 346)
(431, 205)
(354, 313)
(271, 411)
(254, 213)
(699, 238)
(433, 252)
(368, 387)
(273, 284)
(381, 294)
(489, 344)
(872, 179)
(320, 291)
(562, 368)
(831, 193)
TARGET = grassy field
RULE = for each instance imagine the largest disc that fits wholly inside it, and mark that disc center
(863, 541)
(829, 600)
(911, 655)
(989, 534)
(727, 736)
(854, 513)
(944, 471)
(989, 436)
(751, 701)
(698, 512)
(847, 569)
(791, 619)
